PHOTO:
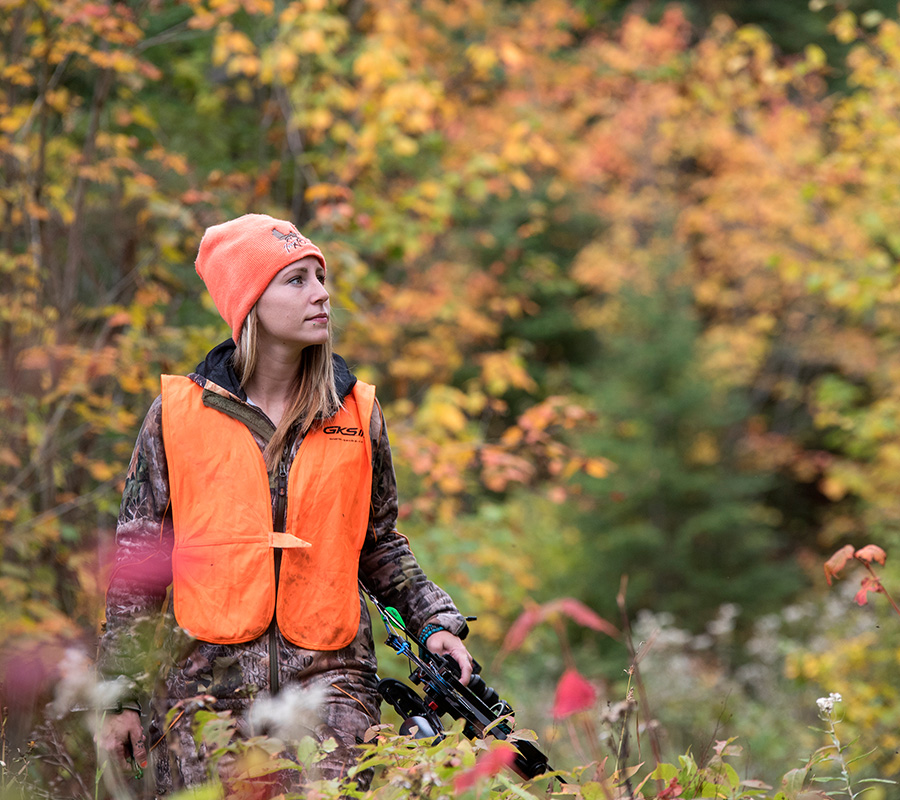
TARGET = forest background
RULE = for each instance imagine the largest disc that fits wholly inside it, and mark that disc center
(625, 276)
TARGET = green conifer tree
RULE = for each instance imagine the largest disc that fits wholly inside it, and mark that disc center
(679, 516)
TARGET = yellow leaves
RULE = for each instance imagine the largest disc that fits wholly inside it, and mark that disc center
(234, 50)
(843, 26)
(515, 148)
(376, 67)
(16, 74)
(595, 467)
(115, 60)
(732, 355)
(312, 40)
(220, 11)
(482, 58)
(505, 370)
(814, 56)
(441, 414)
(13, 119)
(703, 450)
(99, 470)
(139, 114)
(279, 62)
(599, 269)
(833, 488)
(404, 146)
(411, 104)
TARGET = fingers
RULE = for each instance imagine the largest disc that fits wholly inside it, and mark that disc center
(139, 747)
(122, 738)
(464, 659)
(445, 643)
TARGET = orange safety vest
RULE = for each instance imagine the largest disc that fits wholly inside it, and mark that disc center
(223, 561)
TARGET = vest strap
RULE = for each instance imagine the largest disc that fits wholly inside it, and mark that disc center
(286, 541)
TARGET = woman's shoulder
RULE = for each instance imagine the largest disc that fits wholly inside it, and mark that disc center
(376, 422)
(151, 427)
(154, 412)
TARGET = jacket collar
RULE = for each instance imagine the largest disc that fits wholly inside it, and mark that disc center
(218, 368)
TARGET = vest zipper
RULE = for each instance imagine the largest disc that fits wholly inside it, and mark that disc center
(279, 524)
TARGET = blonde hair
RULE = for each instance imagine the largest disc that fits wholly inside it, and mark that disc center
(315, 399)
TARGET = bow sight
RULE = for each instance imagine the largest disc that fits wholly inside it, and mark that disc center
(484, 713)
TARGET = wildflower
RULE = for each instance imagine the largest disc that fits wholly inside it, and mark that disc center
(826, 704)
(79, 689)
(291, 715)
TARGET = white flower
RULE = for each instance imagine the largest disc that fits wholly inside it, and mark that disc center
(826, 704)
(78, 688)
(290, 715)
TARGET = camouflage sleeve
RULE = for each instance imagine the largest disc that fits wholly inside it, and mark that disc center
(387, 566)
(142, 570)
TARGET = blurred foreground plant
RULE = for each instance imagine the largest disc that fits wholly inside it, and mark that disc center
(246, 763)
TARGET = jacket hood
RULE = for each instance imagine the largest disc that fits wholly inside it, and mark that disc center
(218, 368)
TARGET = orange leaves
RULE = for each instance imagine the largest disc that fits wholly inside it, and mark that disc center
(500, 469)
(643, 44)
(440, 439)
(838, 561)
(865, 555)
(871, 582)
(209, 13)
(870, 553)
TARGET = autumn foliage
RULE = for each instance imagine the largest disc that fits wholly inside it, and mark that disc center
(501, 190)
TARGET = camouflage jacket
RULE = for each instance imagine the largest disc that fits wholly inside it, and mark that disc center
(140, 634)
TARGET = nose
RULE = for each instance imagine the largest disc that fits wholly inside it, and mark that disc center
(321, 293)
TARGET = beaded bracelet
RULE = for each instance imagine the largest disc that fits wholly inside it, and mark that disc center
(430, 628)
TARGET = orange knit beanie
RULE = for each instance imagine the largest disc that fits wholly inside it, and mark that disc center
(238, 258)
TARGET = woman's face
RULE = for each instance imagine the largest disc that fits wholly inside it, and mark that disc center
(294, 309)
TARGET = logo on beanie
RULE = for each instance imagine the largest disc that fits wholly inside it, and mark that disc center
(292, 241)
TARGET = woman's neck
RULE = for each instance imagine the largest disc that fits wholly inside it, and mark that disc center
(273, 383)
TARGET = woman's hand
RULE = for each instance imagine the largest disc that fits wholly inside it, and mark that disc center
(122, 737)
(445, 643)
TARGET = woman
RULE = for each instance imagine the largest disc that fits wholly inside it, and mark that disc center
(262, 489)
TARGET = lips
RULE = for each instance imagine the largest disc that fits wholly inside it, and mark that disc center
(319, 318)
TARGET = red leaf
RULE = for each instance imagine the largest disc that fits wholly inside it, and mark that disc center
(671, 792)
(869, 584)
(572, 608)
(836, 563)
(521, 628)
(573, 694)
(487, 765)
(580, 613)
(870, 553)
